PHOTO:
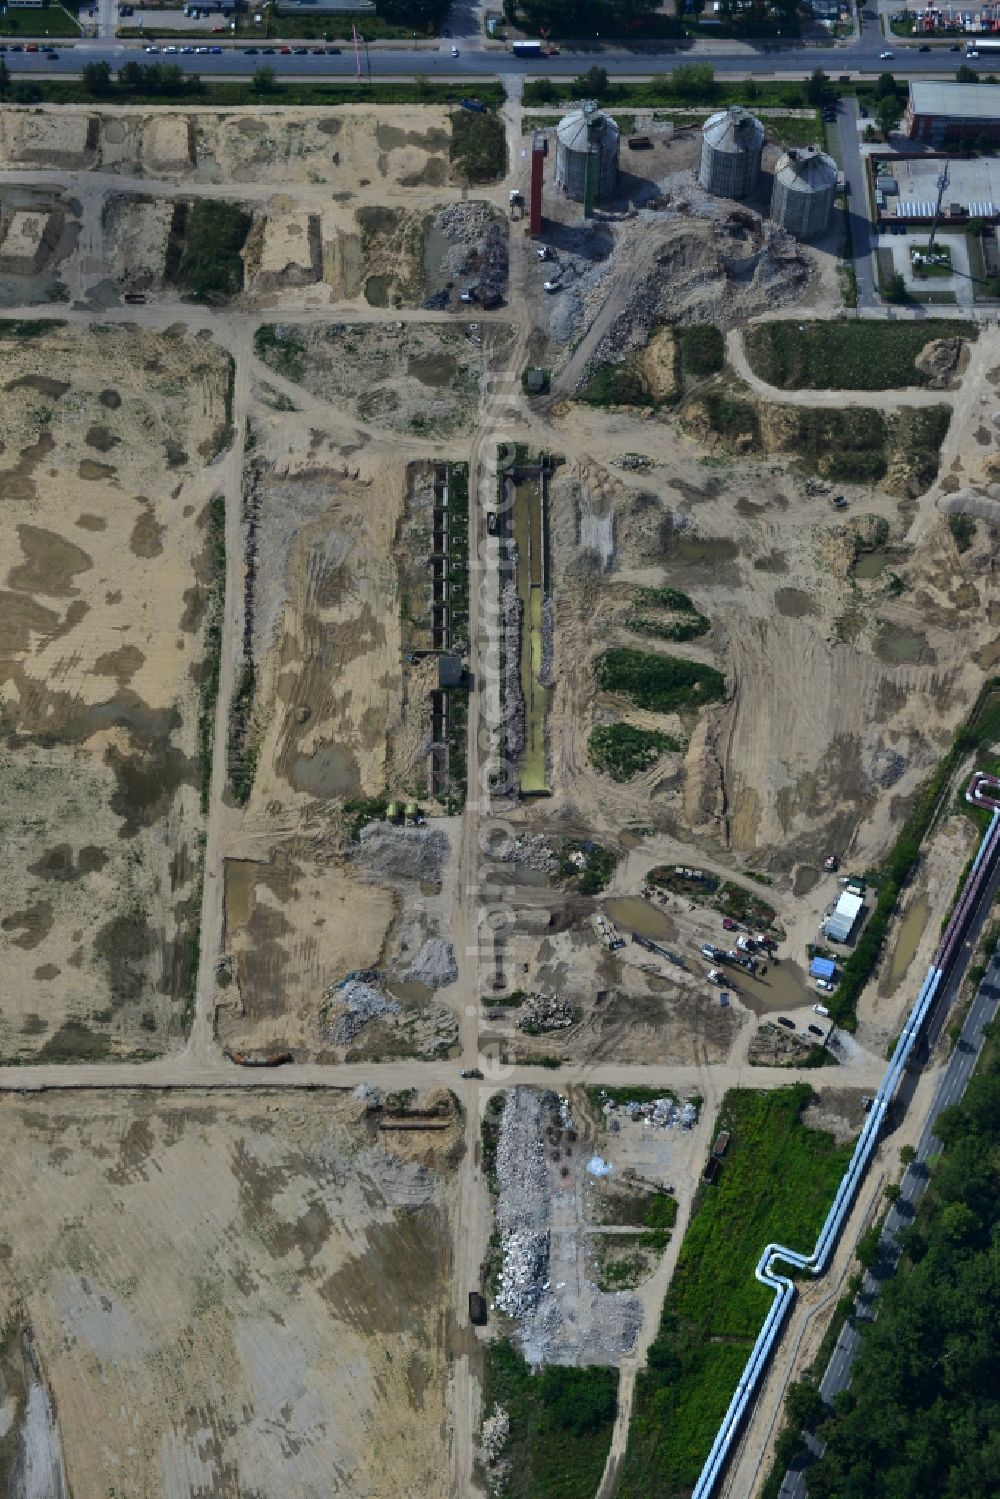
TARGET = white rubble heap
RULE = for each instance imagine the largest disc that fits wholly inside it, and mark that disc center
(523, 1207)
(545, 1012)
(352, 1004)
(563, 1317)
(661, 1113)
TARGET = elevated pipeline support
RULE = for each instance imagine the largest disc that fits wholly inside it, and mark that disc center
(815, 1262)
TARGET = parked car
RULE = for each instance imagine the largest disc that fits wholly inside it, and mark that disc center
(454, 51)
(713, 954)
(31, 47)
(550, 286)
(788, 1024)
(816, 1030)
(729, 925)
(716, 976)
(821, 1009)
(924, 48)
(215, 51)
(285, 51)
(470, 1072)
(825, 985)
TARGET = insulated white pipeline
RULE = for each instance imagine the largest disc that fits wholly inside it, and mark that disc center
(765, 1272)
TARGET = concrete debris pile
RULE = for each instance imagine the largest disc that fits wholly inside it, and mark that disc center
(385, 852)
(353, 1003)
(531, 850)
(634, 462)
(369, 1095)
(545, 1012)
(511, 615)
(477, 250)
(887, 767)
(492, 1441)
(660, 1113)
(548, 632)
(434, 965)
(523, 1203)
(940, 359)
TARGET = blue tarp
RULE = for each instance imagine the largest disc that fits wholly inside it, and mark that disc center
(822, 968)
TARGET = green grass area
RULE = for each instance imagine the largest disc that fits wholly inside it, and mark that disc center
(596, 872)
(629, 1093)
(735, 420)
(210, 268)
(51, 20)
(940, 252)
(622, 751)
(848, 443)
(560, 1424)
(244, 737)
(458, 618)
(287, 93)
(686, 623)
(478, 146)
(922, 1412)
(963, 531)
(703, 349)
(635, 1207)
(660, 683)
(617, 385)
(282, 347)
(319, 28)
(215, 549)
(776, 1183)
(678, 92)
(27, 328)
(725, 896)
(851, 355)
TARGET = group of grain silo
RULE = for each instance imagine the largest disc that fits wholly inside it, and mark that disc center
(805, 179)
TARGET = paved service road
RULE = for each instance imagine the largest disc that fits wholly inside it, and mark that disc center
(953, 1083)
(854, 174)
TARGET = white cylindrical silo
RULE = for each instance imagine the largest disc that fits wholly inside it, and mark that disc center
(732, 142)
(805, 181)
(584, 132)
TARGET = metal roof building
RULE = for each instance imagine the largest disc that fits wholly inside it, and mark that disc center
(938, 112)
(822, 968)
(839, 925)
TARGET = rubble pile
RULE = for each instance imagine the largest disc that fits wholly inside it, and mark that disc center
(387, 852)
(434, 965)
(545, 675)
(531, 850)
(353, 1003)
(523, 1205)
(661, 1113)
(492, 1441)
(511, 616)
(887, 767)
(477, 251)
(545, 1012)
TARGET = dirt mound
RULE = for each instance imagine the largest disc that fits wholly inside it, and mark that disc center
(941, 360)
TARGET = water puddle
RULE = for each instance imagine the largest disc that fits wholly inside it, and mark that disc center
(633, 914)
(873, 564)
(330, 771)
(783, 987)
(701, 551)
(911, 929)
(794, 603)
(435, 370)
(377, 291)
(902, 647)
(408, 989)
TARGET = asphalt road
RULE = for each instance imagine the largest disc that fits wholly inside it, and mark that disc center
(854, 173)
(858, 55)
(950, 1090)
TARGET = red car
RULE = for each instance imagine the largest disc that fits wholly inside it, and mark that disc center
(729, 924)
(31, 47)
(285, 51)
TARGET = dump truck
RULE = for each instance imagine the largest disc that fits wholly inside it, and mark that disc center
(477, 1309)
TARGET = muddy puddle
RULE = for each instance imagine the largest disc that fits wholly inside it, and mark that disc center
(702, 551)
(409, 989)
(902, 647)
(436, 247)
(241, 877)
(794, 603)
(911, 929)
(330, 771)
(873, 564)
(435, 370)
(806, 879)
(377, 291)
(633, 914)
(783, 987)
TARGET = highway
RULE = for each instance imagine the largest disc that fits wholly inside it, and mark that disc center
(954, 1080)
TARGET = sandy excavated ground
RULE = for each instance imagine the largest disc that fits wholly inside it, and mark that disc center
(354, 147)
(304, 907)
(109, 439)
(226, 1296)
(420, 380)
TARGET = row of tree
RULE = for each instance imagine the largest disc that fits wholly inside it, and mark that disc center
(922, 1415)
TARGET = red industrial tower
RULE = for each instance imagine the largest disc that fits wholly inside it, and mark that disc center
(539, 149)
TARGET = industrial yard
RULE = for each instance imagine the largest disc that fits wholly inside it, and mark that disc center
(469, 658)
